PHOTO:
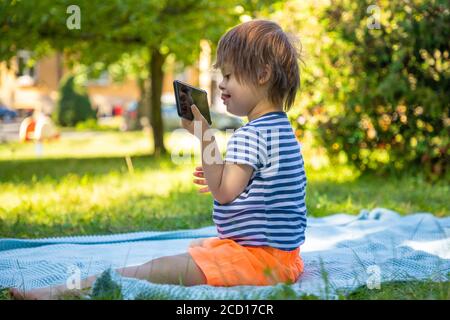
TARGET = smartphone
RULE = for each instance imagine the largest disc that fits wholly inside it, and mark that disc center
(187, 95)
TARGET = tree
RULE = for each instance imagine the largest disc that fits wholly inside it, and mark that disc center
(148, 30)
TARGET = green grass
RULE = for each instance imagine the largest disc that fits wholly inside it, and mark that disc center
(414, 290)
(82, 185)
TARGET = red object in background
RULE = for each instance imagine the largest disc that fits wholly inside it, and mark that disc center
(40, 129)
(117, 110)
(30, 130)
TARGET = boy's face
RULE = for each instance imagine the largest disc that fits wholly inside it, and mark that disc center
(239, 98)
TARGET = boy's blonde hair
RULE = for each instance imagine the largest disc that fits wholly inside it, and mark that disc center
(249, 46)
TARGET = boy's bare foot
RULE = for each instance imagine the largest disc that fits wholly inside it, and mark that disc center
(36, 294)
(46, 293)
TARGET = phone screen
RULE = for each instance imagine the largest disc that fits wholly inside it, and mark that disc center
(186, 95)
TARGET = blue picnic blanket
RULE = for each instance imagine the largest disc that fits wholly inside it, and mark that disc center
(341, 253)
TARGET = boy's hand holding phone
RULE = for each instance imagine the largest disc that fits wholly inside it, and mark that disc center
(198, 125)
(193, 108)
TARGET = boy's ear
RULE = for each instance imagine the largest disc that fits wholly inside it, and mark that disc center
(264, 74)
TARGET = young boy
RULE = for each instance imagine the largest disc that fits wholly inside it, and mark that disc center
(259, 191)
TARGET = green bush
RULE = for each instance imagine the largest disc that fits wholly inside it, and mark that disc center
(385, 102)
(73, 105)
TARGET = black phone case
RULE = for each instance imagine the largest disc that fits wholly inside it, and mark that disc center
(187, 114)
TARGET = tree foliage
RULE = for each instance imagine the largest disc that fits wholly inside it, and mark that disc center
(379, 96)
(109, 30)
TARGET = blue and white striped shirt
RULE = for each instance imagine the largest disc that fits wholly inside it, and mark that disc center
(271, 210)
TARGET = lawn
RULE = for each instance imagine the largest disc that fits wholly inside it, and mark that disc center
(83, 185)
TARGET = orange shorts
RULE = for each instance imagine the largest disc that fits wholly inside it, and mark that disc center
(226, 263)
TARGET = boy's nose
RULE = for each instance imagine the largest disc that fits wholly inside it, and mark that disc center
(221, 86)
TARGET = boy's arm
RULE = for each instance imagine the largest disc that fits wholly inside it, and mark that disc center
(225, 180)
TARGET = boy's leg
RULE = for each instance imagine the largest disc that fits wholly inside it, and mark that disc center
(176, 269)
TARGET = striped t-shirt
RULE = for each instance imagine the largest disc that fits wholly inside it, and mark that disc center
(271, 210)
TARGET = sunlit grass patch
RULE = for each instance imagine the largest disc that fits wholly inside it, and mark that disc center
(74, 144)
(81, 144)
(158, 195)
